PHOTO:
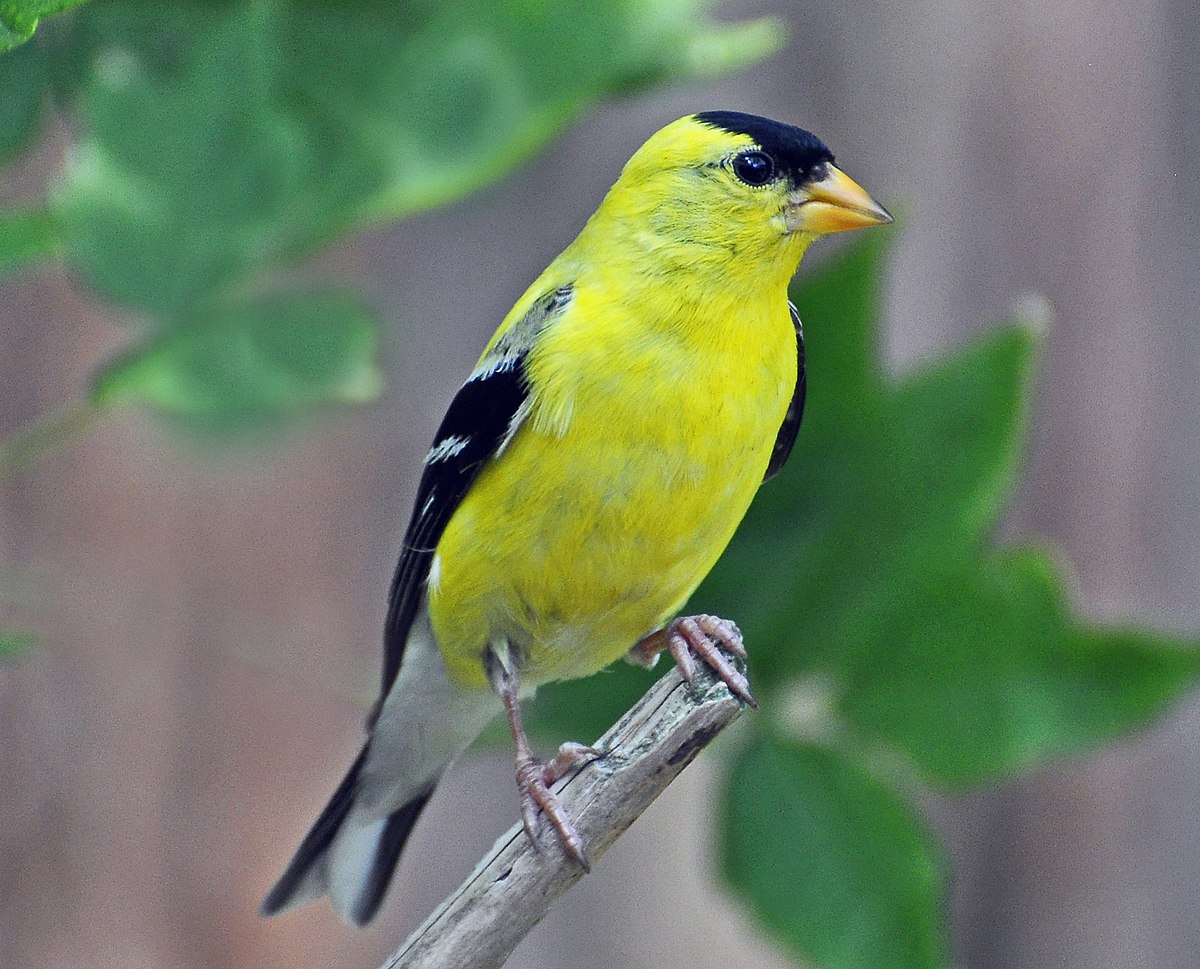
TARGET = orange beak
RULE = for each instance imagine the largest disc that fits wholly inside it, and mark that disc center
(834, 203)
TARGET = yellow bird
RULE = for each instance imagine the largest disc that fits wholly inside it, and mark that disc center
(588, 475)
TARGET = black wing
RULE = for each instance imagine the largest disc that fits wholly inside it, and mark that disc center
(482, 419)
(786, 437)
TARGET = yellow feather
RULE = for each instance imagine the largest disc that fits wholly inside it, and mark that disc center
(656, 400)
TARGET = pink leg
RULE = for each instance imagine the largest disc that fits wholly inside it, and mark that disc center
(535, 777)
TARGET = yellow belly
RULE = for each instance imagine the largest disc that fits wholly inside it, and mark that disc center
(593, 528)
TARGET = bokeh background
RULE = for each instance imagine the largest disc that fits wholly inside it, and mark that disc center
(211, 623)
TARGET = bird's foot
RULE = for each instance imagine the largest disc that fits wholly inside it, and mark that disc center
(534, 780)
(708, 638)
(536, 777)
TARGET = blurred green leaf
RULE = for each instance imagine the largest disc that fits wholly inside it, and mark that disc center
(217, 137)
(841, 293)
(14, 643)
(26, 236)
(19, 18)
(986, 672)
(834, 864)
(24, 81)
(245, 364)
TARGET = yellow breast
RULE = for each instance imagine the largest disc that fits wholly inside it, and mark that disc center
(644, 446)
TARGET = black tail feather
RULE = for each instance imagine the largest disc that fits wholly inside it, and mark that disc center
(312, 849)
(395, 833)
(316, 844)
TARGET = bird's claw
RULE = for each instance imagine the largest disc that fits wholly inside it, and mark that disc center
(570, 755)
(709, 638)
(534, 780)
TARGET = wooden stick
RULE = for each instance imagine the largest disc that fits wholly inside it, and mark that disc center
(512, 888)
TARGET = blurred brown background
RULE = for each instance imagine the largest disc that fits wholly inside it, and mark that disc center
(212, 628)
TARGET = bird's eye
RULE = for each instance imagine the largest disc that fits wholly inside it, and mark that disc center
(754, 167)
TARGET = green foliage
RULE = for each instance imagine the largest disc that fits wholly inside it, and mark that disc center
(221, 137)
(881, 620)
(216, 142)
(986, 673)
(808, 831)
(19, 19)
(26, 236)
(24, 77)
(14, 643)
(252, 362)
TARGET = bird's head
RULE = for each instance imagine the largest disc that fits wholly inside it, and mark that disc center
(729, 191)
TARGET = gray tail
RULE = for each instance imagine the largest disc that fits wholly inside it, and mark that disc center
(347, 858)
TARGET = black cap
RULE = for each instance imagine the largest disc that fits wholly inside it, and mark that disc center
(798, 152)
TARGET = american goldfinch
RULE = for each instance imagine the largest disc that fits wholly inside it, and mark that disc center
(588, 475)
